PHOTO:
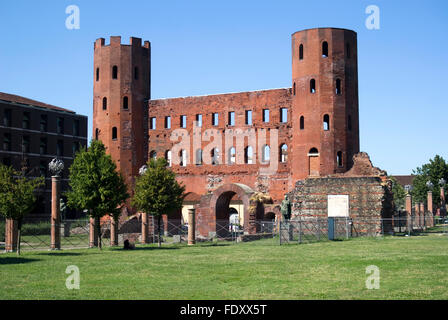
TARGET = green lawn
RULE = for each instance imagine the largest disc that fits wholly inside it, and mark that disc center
(410, 268)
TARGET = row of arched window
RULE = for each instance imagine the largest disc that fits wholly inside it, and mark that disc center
(115, 73)
(324, 50)
(125, 104)
(338, 87)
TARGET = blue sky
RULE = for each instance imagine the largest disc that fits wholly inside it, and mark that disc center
(208, 47)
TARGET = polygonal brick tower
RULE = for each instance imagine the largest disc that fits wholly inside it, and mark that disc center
(324, 102)
(120, 92)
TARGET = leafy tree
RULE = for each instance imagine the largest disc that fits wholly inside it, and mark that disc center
(157, 192)
(433, 171)
(399, 193)
(17, 195)
(96, 185)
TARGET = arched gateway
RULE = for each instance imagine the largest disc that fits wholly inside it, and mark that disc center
(213, 210)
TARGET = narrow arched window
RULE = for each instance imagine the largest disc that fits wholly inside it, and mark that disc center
(301, 52)
(214, 154)
(232, 155)
(347, 50)
(168, 157)
(248, 154)
(183, 158)
(294, 89)
(283, 153)
(339, 159)
(302, 123)
(96, 133)
(325, 49)
(349, 123)
(313, 86)
(338, 87)
(114, 133)
(104, 103)
(125, 103)
(114, 72)
(326, 122)
(136, 73)
(97, 74)
(198, 157)
(313, 152)
(266, 153)
(153, 155)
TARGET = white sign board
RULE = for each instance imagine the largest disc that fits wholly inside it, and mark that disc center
(338, 205)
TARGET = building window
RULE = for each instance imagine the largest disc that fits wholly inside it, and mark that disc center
(125, 103)
(75, 148)
(168, 157)
(104, 103)
(198, 159)
(326, 122)
(183, 121)
(43, 169)
(114, 72)
(347, 50)
(43, 123)
(294, 89)
(265, 115)
(153, 155)
(339, 159)
(249, 117)
(26, 144)
(7, 161)
(167, 122)
(283, 115)
(114, 133)
(60, 148)
(338, 87)
(97, 133)
(266, 153)
(199, 120)
(248, 154)
(43, 145)
(7, 142)
(302, 123)
(301, 52)
(76, 128)
(60, 125)
(136, 73)
(325, 49)
(183, 158)
(26, 120)
(153, 123)
(7, 118)
(97, 74)
(231, 118)
(232, 155)
(214, 154)
(283, 153)
(313, 86)
(349, 124)
(215, 119)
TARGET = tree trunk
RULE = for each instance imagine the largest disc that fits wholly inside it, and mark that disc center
(19, 227)
(158, 231)
(98, 226)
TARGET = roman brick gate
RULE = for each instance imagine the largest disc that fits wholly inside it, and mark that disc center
(213, 210)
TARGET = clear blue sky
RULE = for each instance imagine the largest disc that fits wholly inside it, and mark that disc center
(208, 47)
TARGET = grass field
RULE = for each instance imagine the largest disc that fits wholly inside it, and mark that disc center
(410, 268)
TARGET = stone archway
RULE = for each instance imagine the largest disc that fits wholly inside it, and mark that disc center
(213, 210)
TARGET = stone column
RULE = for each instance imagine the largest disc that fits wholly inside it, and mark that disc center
(417, 215)
(409, 212)
(144, 227)
(113, 232)
(11, 232)
(191, 227)
(55, 243)
(93, 234)
(430, 209)
(422, 214)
